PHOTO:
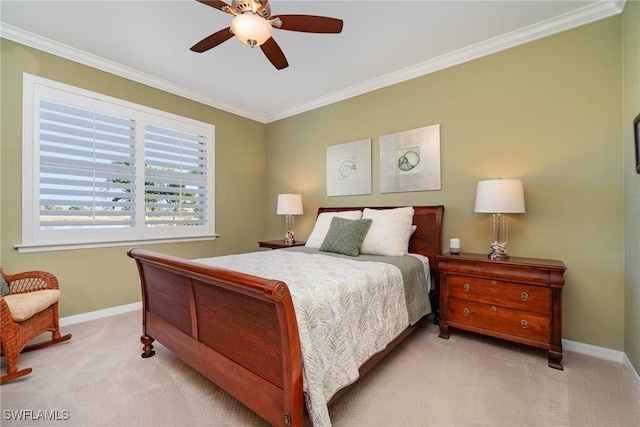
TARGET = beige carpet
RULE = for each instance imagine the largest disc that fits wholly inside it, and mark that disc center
(99, 379)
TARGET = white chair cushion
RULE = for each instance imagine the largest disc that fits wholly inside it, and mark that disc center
(23, 306)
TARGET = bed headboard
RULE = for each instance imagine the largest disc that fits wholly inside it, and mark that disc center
(427, 239)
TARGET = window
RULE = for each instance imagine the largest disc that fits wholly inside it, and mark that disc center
(99, 171)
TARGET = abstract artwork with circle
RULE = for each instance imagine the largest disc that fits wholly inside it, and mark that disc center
(410, 160)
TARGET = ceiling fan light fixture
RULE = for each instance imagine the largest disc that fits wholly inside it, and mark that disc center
(251, 29)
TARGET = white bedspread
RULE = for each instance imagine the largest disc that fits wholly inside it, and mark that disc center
(342, 319)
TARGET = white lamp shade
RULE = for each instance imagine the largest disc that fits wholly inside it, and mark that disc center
(500, 196)
(289, 204)
(250, 29)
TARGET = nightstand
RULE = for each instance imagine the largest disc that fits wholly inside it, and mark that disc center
(517, 299)
(279, 244)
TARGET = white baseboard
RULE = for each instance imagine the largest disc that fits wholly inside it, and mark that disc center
(99, 314)
(604, 353)
(592, 350)
(577, 347)
(632, 372)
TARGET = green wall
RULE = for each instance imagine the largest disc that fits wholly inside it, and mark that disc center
(548, 112)
(631, 37)
(93, 279)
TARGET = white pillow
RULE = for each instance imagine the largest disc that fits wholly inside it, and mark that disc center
(323, 223)
(389, 232)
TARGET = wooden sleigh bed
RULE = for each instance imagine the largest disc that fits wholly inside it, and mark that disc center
(240, 330)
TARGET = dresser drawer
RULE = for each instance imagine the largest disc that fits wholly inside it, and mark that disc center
(520, 323)
(517, 299)
(497, 292)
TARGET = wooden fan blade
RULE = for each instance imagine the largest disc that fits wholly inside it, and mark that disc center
(213, 40)
(274, 54)
(215, 4)
(310, 23)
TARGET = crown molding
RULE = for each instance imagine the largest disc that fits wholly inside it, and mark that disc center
(585, 15)
(35, 41)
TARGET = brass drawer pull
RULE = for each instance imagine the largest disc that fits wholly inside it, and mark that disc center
(524, 296)
(466, 287)
(493, 308)
(493, 282)
(465, 311)
(524, 324)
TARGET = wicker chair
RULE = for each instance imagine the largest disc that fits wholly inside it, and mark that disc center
(33, 300)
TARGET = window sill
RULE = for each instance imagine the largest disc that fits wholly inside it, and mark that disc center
(29, 248)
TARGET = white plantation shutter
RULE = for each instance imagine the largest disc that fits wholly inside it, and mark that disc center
(101, 170)
(87, 161)
(176, 165)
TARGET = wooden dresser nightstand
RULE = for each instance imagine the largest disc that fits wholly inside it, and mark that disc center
(279, 244)
(518, 299)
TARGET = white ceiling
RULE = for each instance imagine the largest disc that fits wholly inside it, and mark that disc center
(382, 43)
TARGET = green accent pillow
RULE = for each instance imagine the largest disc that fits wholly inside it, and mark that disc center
(4, 288)
(345, 236)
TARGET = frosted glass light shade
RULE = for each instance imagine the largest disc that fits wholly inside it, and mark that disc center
(250, 29)
(500, 196)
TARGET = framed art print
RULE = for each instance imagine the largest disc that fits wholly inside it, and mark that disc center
(410, 160)
(349, 168)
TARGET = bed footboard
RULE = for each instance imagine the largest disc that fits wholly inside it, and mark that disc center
(238, 330)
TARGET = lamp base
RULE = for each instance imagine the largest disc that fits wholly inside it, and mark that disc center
(289, 238)
(498, 251)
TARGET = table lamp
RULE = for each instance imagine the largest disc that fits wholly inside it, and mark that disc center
(499, 197)
(289, 205)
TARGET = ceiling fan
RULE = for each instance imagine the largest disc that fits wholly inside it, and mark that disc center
(252, 24)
